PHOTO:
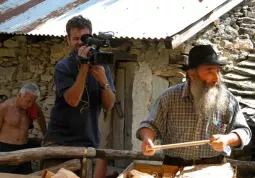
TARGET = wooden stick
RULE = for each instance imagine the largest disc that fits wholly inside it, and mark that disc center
(178, 145)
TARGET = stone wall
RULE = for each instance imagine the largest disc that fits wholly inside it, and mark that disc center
(30, 59)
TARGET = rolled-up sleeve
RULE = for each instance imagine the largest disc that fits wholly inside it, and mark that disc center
(156, 120)
(239, 125)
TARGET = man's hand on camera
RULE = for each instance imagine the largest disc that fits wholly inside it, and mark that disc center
(83, 51)
(98, 73)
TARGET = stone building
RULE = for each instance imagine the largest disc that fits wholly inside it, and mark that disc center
(144, 68)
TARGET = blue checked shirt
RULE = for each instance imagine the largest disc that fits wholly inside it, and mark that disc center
(173, 119)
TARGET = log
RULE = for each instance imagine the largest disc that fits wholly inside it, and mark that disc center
(87, 168)
(17, 157)
(71, 165)
(20, 156)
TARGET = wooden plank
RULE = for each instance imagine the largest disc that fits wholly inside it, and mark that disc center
(6, 175)
(203, 22)
(118, 117)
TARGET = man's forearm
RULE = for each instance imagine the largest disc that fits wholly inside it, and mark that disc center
(74, 93)
(147, 133)
(233, 139)
(108, 98)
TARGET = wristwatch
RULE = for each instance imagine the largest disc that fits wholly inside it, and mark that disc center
(106, 86)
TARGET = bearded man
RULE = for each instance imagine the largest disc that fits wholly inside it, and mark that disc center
(200, 109)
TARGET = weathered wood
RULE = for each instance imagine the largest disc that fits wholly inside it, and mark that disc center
(87, 168)
(5, 175)
(12, 158)
(179, 145)
(71, 165)
(17, 157)
(126, 154)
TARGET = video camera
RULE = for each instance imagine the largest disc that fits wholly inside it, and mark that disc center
(96, 57)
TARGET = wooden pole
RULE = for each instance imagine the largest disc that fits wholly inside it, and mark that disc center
(17, 157)
(179, 145)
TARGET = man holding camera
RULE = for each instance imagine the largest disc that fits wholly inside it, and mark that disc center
(81, 89)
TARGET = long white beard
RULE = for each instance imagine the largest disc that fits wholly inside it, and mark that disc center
(209, 99)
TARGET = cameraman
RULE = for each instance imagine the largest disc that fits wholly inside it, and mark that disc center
(81, 89)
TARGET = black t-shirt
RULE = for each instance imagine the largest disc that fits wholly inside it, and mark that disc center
(68, 125)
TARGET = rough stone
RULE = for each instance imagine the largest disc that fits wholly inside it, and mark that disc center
(7, 73)
(249, 31)
(35, 69)
(247, 64)
(168, 72)
(245, 85)
(46, 78)
(233, 76)
(24, 76)
(251, 14)
(243, 44)
(15, 91)
(11, 43)
(226, 44)
(35, 51)
(251, 57)
(58, 51)
(231, 31)
(5, 52)
(178, 59)
(242, 92)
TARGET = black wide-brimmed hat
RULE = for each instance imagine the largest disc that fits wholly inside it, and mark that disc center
(202, 55)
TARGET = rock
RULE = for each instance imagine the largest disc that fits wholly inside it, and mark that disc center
(34, 51)
(15, 91)
(243, 44)
(242, 92)
(249, 31)
(11, 43)
(7, 73)
(246, 85)
(247, 64)
(35, 69)
(226, 44)
(251, 14)
(231, 31)
(251, 57)
(233, 76)
(248, 102)
(169, 72)
(178, 59)
(244, 71)
(24, 76)
(59, 51)
(6, 52)
(46, 78)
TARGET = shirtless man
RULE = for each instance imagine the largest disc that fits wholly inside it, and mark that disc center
(16, 117)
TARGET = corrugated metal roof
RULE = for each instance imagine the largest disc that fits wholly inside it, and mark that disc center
(126, 18)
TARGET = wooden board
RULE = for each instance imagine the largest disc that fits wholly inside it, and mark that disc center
(5, 175)
(149, 169)
(208, 171)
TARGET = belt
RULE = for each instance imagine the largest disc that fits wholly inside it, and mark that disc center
(175, 161)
